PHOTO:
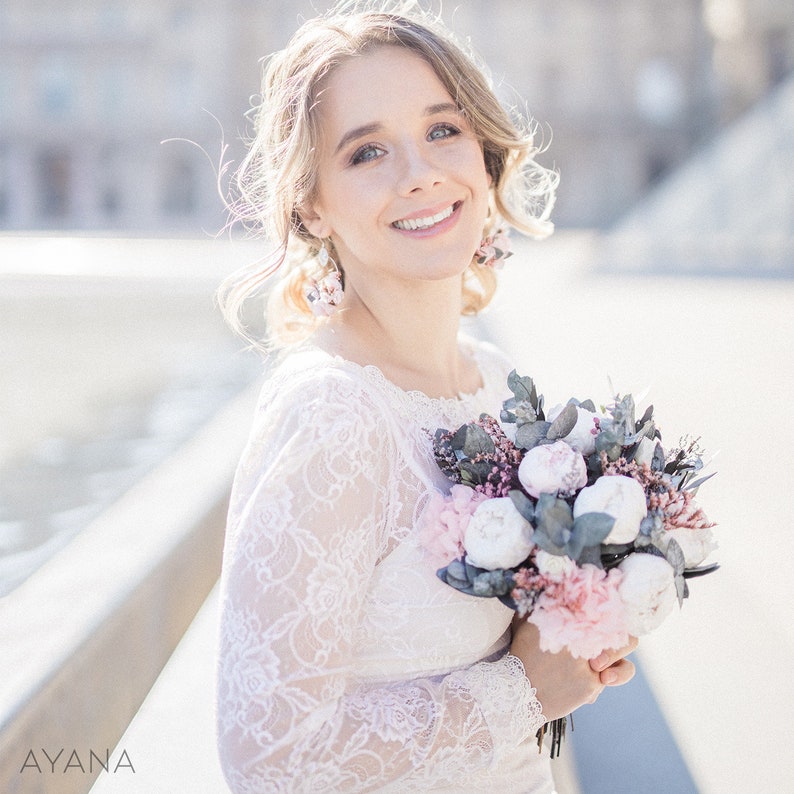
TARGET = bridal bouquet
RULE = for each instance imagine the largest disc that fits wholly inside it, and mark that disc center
(578, 519)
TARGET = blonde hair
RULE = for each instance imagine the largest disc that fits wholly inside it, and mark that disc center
(278, 174)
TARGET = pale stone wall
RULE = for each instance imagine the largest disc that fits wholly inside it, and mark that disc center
(90, 89)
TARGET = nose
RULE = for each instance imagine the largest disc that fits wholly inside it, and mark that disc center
(418, 170)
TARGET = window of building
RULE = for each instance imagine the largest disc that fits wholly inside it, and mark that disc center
(6, 94)
(109, 181)
(57, 87)
(182, 91)
(181, 17)
(114, 96)
(112, 16)
(179, 187)
(4, 186)
(53, 181)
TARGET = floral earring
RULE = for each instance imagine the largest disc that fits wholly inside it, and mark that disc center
(324, 295)
(494, 249)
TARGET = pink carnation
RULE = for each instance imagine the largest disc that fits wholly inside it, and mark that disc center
(444, 521)
(582, 613)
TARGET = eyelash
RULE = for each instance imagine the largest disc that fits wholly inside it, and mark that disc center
(361, 154)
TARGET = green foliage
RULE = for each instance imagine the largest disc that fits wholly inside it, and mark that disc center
(477, 581)
(557, 532)
(529, 435)
(675, 556)
(524, 407)
(564, 423)
(523, 504)
(472, 440)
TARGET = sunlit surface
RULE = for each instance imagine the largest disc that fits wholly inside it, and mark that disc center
(112, 356)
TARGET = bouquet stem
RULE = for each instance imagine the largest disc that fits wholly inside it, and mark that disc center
(557, 730)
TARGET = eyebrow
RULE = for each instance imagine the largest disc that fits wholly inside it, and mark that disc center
(369, 129)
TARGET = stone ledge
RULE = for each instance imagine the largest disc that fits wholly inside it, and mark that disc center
(171, 743)
(86, 636)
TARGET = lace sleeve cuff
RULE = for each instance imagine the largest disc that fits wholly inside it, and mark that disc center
(507, 700)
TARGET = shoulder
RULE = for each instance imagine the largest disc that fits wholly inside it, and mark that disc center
(313, 392)
(316, 376)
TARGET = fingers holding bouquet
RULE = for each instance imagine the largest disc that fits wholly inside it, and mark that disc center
(612, 666)
(562, 681)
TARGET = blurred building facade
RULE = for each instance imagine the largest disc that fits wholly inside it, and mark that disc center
(89, 90)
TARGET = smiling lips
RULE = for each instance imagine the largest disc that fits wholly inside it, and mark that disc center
(412, 224)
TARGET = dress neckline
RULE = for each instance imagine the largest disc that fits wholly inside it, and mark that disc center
(375, 374)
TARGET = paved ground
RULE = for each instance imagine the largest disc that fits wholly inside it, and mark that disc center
(711, 711)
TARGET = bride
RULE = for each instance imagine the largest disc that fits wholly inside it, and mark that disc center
(381, 161)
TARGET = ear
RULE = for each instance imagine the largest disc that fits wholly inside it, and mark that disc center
(314, 221)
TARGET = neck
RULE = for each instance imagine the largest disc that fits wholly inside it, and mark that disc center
(410, 332)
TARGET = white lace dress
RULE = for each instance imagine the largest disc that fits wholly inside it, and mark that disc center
(345, 664)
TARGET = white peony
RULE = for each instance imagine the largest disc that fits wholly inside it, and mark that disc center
(552, 468)
(696, 544)
(497, 536)
(647, 590)
(555, 566)
(582, 437)
(621, 497)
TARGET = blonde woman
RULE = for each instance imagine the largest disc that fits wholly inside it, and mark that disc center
(382, 161)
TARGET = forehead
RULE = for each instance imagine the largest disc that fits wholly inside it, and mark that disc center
(376, 86)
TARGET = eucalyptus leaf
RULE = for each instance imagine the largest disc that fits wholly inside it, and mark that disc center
(530, 435)
(523, 504)
(590, 555)
(458, 440)
(477, 442)
(623, 414)
(611, 442)
(475, 473)
(643, 431)
(523, 388)
(647, 416)
(588, 405)
(489, 584)
(675, 556)
(472, 571)
(697, 483)
(574, 547)
(553, 524)
(657, 462)
(455, 572)
(564, 423)
(593, 527)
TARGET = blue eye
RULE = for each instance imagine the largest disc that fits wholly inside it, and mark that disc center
(441, 131)
(366, 154)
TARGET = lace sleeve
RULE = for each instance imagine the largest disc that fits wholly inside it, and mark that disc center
(308, 522)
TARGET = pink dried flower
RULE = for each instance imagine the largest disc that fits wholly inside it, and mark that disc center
(582, 613)
(444, 521)
(679, 509)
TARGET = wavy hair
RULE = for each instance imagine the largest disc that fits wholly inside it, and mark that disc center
(278, 175)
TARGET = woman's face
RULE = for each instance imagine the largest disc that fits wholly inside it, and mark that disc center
(402, 184)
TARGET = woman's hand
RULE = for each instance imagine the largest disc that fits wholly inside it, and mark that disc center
(563, 683)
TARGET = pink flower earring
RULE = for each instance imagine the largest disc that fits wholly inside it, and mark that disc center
(324, 295)
(494, 249)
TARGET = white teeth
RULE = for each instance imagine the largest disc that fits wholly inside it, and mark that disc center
(425, 223)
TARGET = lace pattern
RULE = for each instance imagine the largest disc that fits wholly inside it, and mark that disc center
(344, 664)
